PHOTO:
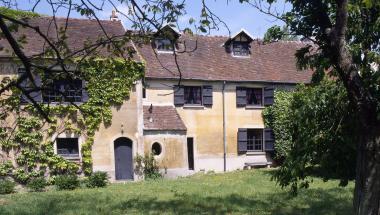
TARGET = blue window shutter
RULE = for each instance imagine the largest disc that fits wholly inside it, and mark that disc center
(84, 92)
(179, 96)
(24, 85)
(27, 85)
(207, 95)
(242, 140)
(269, 139)
(37, 95)
(269, 95)
(241, 96)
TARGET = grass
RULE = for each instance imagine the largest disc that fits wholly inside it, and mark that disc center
(240, 192)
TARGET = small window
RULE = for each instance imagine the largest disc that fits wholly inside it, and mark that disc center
(68, 147)
(193, 95)
(63, 91)
(156, 148)
(164, 45)
(240, 48)
(254, 140)
(255, 96)
(143, 92)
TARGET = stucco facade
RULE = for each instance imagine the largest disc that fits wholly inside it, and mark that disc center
(205, 124)
(222, 130)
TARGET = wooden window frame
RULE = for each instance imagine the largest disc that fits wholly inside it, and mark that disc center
(253, 143)
(193, 104)
(261, 104)
(242, 45)
(69, 156)
(165, 50)
(55, 97)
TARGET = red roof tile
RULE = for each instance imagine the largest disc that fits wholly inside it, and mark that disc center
(79, 31)
(208, 59)
(162, 118)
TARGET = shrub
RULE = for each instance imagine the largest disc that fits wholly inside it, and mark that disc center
(147, 166)
(37, 184)
(66, 182)
(7, 186)
(97, 179)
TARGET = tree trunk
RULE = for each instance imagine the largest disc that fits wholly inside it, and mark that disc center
(367, 185)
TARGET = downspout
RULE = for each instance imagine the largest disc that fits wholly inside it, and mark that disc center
(224, 128)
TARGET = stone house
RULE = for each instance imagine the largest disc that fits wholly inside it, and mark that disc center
(199, 107)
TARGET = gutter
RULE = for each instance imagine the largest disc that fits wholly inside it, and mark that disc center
(231, 81)
(224, 129)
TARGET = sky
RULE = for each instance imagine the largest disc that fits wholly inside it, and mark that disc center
(233, 13)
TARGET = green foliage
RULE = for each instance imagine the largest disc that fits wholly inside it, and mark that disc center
(7, 186)
(66, 182)
(5, 168)
(18, 14)
(316, 132)
(276, 33)
(97, 179)
(37, 184)
(147, 165)
(278, 117)
(109, 81)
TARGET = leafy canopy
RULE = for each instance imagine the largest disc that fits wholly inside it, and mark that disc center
(315, 133)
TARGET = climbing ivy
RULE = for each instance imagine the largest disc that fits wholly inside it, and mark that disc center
(27, 139)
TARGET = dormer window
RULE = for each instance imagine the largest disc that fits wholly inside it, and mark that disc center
(165, 39)
(164, 45)
(239, 44)
(240, 48)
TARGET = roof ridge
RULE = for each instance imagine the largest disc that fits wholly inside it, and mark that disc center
(75, 18)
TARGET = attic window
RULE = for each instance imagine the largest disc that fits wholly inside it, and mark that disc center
(164, 45)
(240, 48)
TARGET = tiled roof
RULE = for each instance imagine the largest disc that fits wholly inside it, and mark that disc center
(79, 31)
(162, 118)
(207, 59)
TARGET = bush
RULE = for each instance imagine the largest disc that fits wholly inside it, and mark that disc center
(66, 182)
(37, 184)
(7, 186)
(147, 166)
(97, 179)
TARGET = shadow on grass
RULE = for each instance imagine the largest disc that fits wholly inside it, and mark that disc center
(280, 203)
(312, 201)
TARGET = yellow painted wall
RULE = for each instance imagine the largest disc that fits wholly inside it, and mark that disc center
(124, 124)
(205, 124)
(173, 153)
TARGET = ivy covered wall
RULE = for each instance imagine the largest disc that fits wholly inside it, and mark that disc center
(27, 139)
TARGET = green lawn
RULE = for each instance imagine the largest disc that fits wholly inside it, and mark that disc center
(240, 192)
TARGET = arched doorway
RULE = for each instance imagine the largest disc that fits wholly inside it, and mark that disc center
(123, 159)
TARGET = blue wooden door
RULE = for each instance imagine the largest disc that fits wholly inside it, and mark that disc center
(123, 159)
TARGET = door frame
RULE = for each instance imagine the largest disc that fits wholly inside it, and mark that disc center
(112, 155)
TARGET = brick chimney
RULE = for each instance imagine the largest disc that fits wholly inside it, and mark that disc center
(113, 16)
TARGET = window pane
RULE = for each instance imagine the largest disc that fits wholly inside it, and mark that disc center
(68, 147)
(63, 91)
(193, 95)
(254, 96)
(164, 45)
(255, 139)
(240, 48)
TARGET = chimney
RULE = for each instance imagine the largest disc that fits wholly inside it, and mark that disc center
(113, 16)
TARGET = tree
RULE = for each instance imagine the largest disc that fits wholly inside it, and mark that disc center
(345, 41)
(315, 133)
(344, 38)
